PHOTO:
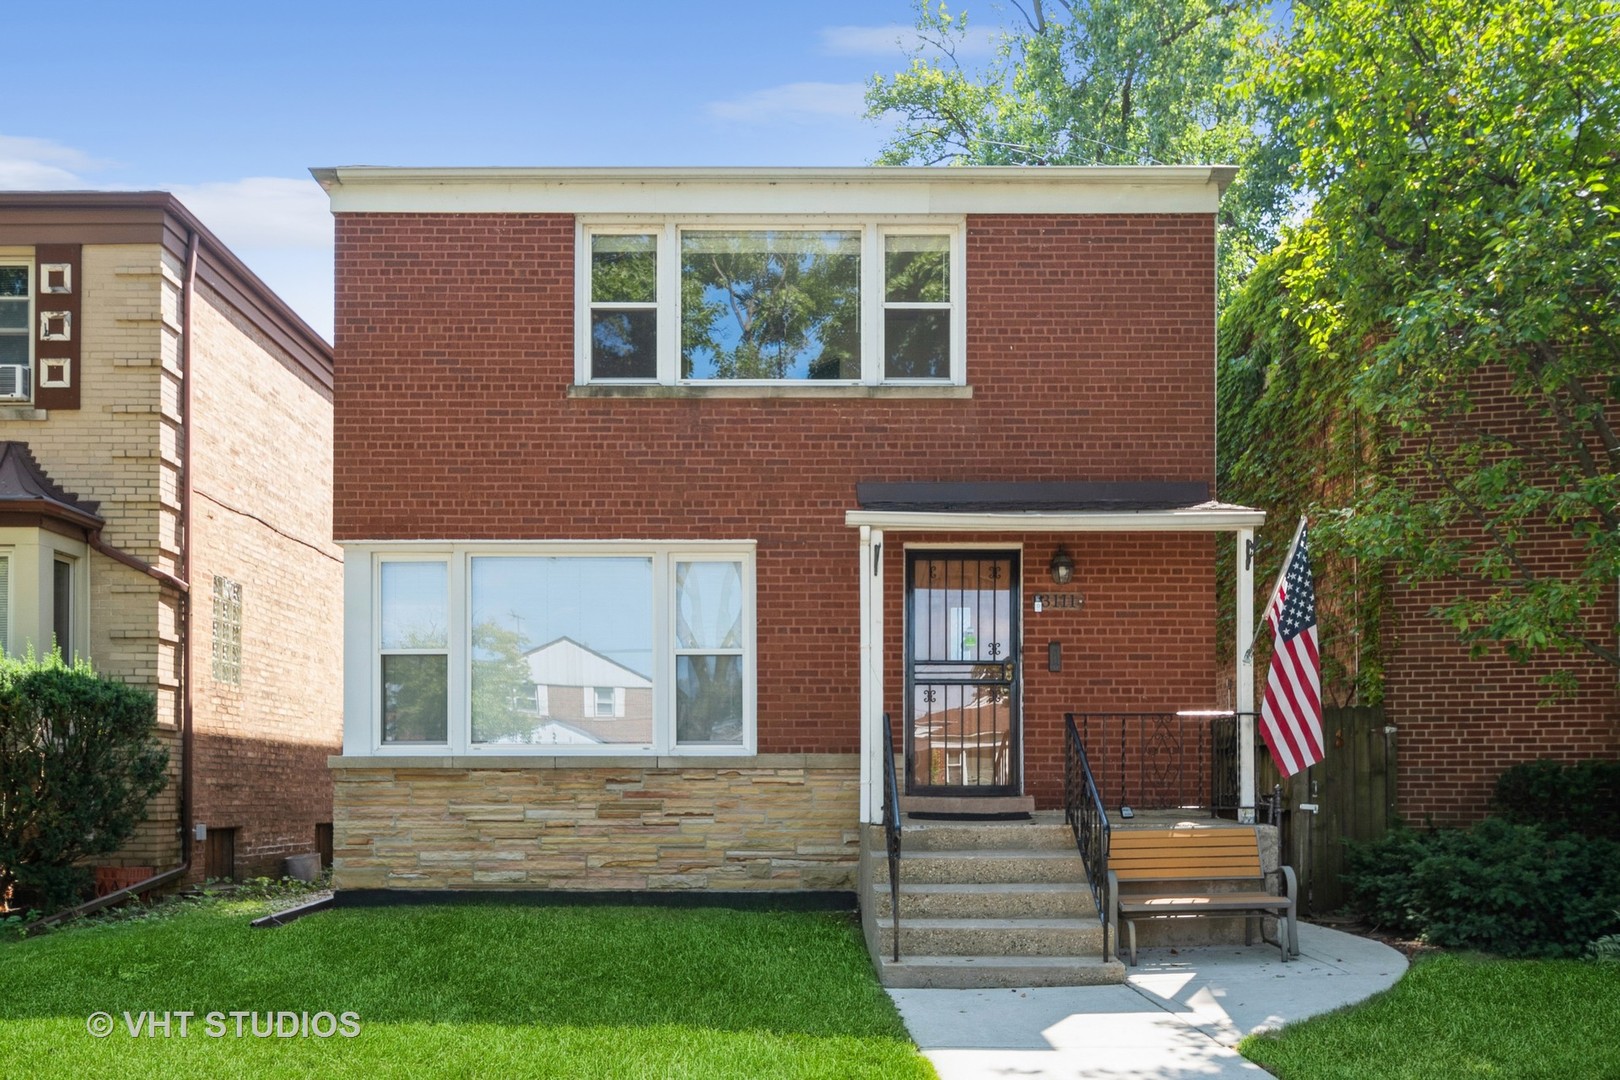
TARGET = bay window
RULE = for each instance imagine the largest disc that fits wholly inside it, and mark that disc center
(706, 302)
(607, 648)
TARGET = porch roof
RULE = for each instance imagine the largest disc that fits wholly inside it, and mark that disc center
(1047, 506)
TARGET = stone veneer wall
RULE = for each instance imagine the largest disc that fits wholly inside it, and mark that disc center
(772, 822)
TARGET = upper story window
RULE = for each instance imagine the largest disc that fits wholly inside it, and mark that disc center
(692, 303)
(16, 326)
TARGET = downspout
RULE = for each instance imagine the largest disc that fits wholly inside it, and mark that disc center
(188, 292)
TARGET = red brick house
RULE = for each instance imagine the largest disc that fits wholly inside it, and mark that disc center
(798, 447)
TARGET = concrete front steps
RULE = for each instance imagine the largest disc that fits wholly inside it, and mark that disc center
(985, 905)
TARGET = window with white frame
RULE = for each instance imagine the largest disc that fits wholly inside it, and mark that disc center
(692, 303)
(413, 646)
(609, 648)
(16, 331)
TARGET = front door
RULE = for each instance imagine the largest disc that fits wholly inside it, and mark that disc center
(962, 688)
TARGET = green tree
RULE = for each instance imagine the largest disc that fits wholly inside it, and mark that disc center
(1458, 284)
(756, 304)
(1100, 82)
(503, 703)
(79, 760)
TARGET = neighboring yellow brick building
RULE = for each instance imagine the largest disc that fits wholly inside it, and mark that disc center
(209, 576)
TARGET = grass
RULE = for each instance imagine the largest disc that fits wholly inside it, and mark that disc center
(479, 990)
(1456, 1016)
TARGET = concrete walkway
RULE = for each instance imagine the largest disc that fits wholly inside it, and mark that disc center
(1178, 1016)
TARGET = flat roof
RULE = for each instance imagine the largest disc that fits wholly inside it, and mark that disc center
(871, 189)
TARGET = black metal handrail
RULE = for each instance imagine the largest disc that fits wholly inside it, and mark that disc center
(891, 827)
(1087, 817)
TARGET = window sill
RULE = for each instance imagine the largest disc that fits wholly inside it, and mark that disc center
(595, 761)
(842, 392)
(23, 412)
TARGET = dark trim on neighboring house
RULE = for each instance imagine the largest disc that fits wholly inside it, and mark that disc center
(157, 217)
(32, 497)
(765, 900)
(1031, 495)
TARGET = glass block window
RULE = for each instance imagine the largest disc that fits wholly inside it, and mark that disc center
(227, 631)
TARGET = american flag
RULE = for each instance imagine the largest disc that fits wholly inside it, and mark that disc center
(1291, 718)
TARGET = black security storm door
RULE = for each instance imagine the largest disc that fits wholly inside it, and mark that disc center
(962, 673)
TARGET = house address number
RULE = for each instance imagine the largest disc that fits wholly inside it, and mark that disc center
(1055, 601)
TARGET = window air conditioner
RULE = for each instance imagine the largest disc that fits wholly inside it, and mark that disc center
(14, 382)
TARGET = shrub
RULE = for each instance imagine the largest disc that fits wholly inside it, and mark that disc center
(1582, 797)
(1380, 879)
(78, 763)
(1500, 887)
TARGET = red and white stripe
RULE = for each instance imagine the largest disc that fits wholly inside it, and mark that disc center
(1291, 717)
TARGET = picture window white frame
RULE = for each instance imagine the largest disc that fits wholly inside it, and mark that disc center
(363, 645)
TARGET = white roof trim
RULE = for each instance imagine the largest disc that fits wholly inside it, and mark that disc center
(1214, 519)
(1070, 189)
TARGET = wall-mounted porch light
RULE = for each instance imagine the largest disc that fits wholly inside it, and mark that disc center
(1061, 567)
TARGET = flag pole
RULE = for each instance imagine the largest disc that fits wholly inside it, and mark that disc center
(1271, 596)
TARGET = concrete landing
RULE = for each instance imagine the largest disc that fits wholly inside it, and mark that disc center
(1179, 1014)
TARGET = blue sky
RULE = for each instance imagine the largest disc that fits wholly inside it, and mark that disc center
(228, 105)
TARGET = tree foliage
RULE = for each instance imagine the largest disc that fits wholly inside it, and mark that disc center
(1290, 439)
(1099, 82)
(78, 763)
(1456, 286)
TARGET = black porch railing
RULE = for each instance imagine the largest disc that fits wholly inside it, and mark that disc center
(1087, 816)
(1166, 760)
(891, 827)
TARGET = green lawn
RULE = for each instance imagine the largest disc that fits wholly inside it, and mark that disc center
(1460, 1017)
(481, 990)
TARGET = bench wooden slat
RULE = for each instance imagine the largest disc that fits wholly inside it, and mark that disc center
(1188, 873)
(1234, 902)
(1238, 858)
(1215, 838)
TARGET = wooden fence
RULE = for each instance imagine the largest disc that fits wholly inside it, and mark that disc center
(1349, 795)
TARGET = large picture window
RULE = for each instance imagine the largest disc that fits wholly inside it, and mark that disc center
(578, 648)
(694, 303)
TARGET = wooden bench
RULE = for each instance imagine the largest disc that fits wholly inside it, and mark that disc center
(1156, 873)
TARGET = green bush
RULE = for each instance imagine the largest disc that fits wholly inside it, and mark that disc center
(1581, 797)
(1500, 887)
(1380, 879)
(78, 764)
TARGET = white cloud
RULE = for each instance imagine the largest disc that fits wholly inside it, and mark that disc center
(800, 102)
(262, 211)
(892, 39)
(29, 164)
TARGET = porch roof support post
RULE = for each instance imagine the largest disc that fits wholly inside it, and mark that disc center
(1244, 699)
(871, 593)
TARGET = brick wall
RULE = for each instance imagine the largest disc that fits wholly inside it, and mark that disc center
(1090, 344)
(263, 453)
(121, 448)
(261, 516)
(1463, 721)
